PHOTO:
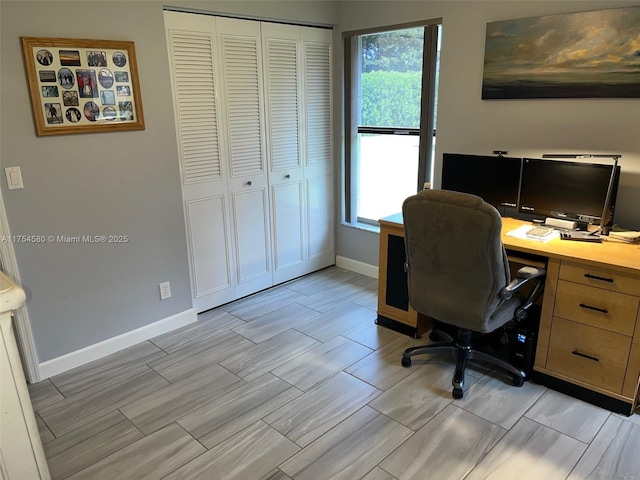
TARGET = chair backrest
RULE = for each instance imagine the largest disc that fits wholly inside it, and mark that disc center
(457, 262)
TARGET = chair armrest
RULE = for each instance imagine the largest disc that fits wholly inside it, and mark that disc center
(524, 275)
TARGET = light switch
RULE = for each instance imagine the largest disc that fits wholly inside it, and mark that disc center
(14, 178)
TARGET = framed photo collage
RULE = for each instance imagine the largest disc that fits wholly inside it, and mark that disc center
(82, 86)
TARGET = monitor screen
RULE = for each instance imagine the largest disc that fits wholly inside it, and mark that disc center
(562, 189)
(494, 179)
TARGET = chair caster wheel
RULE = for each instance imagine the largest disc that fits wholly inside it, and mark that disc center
(518, 381)
(406, 361)
(433, 336)
(457, 393)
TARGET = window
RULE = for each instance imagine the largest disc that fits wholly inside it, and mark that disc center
(391, 79)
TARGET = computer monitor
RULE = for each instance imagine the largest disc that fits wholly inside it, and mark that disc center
(569, 190)
(494, 179)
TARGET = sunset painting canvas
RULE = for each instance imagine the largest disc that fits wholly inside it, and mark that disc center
(578, 55)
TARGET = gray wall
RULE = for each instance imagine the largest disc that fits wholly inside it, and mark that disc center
(467, 124)
(125, 183)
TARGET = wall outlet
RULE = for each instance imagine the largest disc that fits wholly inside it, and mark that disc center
(165, 290)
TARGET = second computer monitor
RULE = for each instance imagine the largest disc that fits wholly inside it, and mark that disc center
(571, 190)
(495, 179)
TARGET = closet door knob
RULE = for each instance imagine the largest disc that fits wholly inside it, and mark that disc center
(287, 176)
(249, 183)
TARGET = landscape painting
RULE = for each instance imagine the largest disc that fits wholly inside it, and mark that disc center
(578, 55)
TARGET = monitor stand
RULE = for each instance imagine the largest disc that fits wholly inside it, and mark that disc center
(581, 236)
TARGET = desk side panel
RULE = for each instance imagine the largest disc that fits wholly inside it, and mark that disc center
(392, 236)
(546, 315)
(632, 375)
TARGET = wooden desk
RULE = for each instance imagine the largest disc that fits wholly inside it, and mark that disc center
(589, 339)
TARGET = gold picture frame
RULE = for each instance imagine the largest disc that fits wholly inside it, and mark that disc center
(82, 86)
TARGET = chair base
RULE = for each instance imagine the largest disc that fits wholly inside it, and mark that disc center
(465, 350)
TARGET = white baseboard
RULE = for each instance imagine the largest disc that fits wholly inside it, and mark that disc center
(356, 266)
(112, 345)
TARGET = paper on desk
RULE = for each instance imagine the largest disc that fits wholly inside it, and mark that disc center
(521, 232)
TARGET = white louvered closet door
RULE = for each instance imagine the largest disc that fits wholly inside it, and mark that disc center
(193, 58)
(281, 48)
(241, 55)
(253, 118)
(318, 152)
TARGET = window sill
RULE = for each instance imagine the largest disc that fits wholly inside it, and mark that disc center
(363, 226)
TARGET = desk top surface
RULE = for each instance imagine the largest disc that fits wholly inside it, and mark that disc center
(611, 253)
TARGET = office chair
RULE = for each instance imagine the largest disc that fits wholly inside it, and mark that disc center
(458, 274)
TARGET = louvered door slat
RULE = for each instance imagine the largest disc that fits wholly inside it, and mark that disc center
(240, 56)
(318, 95)
(282, 98)
(193, 65)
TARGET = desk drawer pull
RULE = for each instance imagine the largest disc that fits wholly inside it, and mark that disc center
(595, 277)
(597, 309)
(584, 355)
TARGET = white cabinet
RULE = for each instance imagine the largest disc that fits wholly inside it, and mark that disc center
(253, 116)
(21, 453)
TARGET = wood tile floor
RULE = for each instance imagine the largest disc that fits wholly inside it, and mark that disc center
(297, 382)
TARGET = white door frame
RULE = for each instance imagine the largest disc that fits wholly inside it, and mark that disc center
(22, 323)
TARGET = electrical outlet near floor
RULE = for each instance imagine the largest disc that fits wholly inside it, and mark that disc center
(165, 290)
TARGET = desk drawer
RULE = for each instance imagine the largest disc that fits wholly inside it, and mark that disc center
(596, 307)
(588, 354)
(600, 277)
